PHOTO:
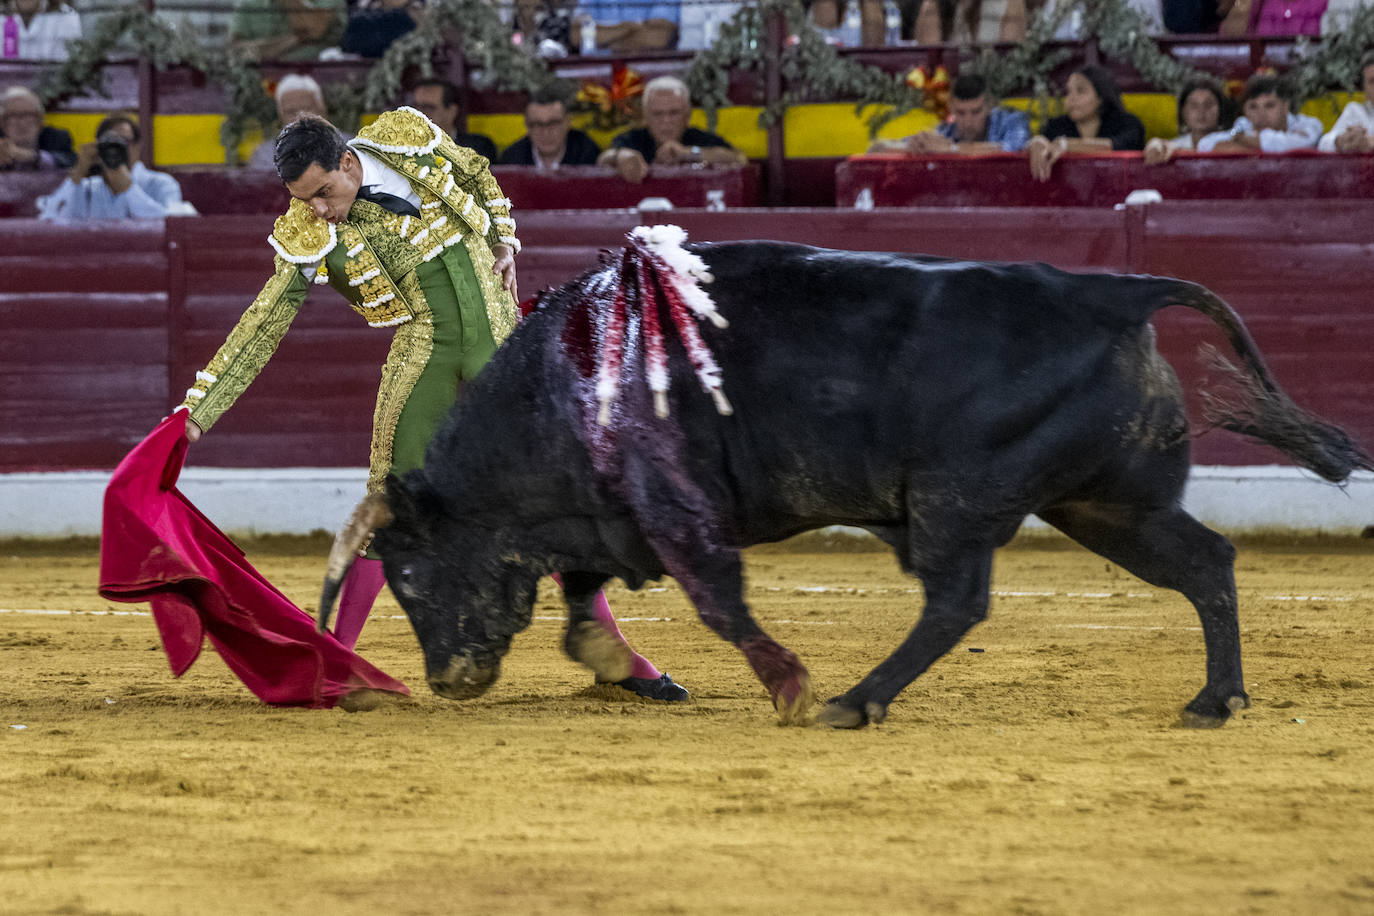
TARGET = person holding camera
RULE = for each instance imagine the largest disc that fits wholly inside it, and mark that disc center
(109, 182)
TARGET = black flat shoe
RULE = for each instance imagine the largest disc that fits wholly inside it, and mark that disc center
(658, 688)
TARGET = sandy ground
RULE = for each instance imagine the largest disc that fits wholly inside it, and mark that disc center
(1043, 774)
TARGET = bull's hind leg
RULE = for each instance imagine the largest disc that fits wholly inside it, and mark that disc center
(956, 599)
(1169, 548)
(587, 640)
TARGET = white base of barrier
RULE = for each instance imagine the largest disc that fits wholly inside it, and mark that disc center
(1233, 500)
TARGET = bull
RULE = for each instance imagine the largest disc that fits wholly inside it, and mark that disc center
(935, 403)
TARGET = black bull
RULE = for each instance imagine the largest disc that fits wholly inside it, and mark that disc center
(934, 403)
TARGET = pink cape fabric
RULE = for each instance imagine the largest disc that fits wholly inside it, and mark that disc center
(157, 547)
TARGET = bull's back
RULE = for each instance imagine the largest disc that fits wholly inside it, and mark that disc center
(853, 374)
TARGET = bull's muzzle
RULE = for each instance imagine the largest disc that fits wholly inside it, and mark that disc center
(463, 678)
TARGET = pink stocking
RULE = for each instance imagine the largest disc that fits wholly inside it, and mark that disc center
(601, 612)
(360, 588)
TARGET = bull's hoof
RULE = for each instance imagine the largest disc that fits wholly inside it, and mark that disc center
(837, 715)
(794, 700)
(1204, 714)
(593, 645)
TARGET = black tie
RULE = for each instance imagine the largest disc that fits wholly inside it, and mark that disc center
(388, 201)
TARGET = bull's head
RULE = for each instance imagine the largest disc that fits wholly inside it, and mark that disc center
(463, 587)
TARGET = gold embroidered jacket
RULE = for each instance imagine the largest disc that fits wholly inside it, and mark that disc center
(370, 258)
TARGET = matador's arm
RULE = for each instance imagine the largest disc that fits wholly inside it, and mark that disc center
(249, 346)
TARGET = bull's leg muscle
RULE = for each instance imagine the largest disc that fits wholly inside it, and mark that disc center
(679, 523)
(587, 639)
(956, 599)
(715, 583)
(1169, 548)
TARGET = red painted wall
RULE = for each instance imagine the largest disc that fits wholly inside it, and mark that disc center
(105, 327)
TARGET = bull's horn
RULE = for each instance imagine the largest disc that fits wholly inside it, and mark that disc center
(371, 513)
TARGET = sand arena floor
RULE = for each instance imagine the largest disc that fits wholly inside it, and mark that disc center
(1040, 775)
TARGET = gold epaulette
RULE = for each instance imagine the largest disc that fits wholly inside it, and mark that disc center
(403, 130)
(300, 236)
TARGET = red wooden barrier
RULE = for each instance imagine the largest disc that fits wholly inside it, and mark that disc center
(84, 347)
(1102, 180)
(106, 326)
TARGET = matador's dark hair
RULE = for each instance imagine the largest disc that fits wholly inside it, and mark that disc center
(307, 140)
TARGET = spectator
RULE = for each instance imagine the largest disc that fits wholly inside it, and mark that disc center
(970, 21)
(1195, 17)
(287, 29)
(375, 24)
(438, 100)
(666, 140)
(1203, 109)
(1353, 131)
(1286, 17)
(627, 26)
(1267, 126)
(545, 27)
(975, 126)
(25, 143)
(40, 30)
(297, 94)
(109, 182)
(829, 16)
(550, 140)
(1094, 120)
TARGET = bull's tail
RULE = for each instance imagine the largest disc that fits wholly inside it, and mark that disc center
(1255, 406)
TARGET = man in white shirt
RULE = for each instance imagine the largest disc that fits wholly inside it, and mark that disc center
(1268, 125)
(297, 94)
(109, 182)
(1353, 131)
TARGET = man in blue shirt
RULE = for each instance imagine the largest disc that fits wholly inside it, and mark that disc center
(109, 182)
(975, 126)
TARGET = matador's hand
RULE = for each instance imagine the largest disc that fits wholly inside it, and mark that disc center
(504, 267)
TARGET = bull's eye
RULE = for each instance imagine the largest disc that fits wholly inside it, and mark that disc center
(405, 572)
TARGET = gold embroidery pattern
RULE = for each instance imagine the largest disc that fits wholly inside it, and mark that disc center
(409, 354)
(300, 236)
(249, 345)
(370, 266)
(502, 312)
(402, 130)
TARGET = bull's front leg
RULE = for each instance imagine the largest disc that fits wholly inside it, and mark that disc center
(715, 583)
(956, 599)
(589, 640)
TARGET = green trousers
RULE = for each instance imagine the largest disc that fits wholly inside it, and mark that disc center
(462, 346)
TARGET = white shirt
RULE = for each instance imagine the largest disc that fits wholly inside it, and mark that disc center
(46, 37)
(1303, 133)
(151, 196)
(1355, 114)
(376, 174)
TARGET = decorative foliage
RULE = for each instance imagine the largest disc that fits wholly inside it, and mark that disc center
(934, 89)
(810, 69)
(486, 44)
(83, 70)
(1334, 63)
(616, 105)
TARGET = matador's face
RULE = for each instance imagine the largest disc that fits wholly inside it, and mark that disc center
(330, 194)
